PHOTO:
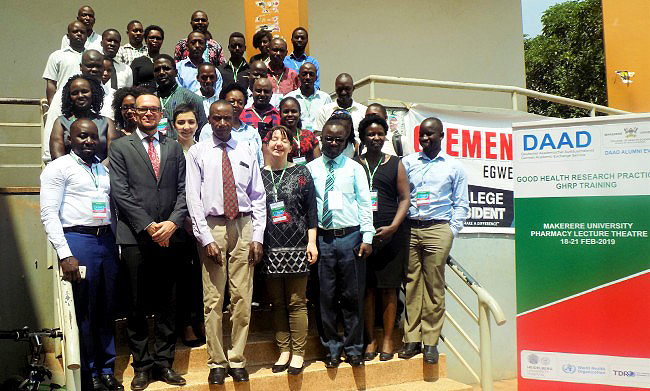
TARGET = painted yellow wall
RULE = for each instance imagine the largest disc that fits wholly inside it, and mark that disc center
(627, 47)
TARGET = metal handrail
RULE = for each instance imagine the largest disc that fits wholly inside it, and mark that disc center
(486, 305)
(514, 91)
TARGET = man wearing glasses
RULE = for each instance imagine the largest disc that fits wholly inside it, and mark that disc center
(147, 171)
(345, 232)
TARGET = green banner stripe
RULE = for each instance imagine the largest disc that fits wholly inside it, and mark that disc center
(554, 269)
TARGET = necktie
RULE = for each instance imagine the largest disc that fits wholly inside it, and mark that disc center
(113, 76)
(329, 186)
(230, 204)
(153, 155)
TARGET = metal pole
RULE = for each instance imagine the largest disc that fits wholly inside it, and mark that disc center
(372, 90)
(592, 112)
(486, 347)
(515, 104)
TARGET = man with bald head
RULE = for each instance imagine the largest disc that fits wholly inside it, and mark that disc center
(86, 15)
(213, 52)
(439, 207)
(261, 115)
(283, 78)
(311, 99)
(227, 203)
(258, 69)
(187, 69)
(344, 87)
(92, 65)
(64, 63)
(148, 186)
(121, 74)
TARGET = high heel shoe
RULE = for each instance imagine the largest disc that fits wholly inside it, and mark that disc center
(279, 368)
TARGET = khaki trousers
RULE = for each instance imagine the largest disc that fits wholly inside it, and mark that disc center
(288, 296)
(425, 283)
(233, 238)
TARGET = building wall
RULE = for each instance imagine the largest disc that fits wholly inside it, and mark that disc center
(627, 47)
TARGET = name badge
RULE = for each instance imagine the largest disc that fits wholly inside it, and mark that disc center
(374, 203)
(335, 200)
(99, 207)
(300, 160)
(162, 126)
(423, 197)
(278, 212)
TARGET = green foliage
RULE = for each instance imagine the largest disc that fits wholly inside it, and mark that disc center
(568, 58)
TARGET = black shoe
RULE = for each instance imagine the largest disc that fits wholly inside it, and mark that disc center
(111, 382)
(217, 375)
(409, 350)
(170, 377)
(431, 354)
(295, 371)
(238, 374)
(140, 381)
(386, 356)
(279, 368)
(332, 362)
(193, 343)
(98, 385)
(355, 360)
(369, 356)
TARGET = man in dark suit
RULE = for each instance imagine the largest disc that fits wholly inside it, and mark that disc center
(147, 172)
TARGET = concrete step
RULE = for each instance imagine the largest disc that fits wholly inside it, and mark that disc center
(318, 378)
(441, 384)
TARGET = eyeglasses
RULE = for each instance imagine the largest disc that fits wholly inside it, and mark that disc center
(127, 107)
(144, 110)
(330, 139)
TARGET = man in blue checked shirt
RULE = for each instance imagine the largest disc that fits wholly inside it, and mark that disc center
(345, 232)
(439, 206)
(299, 40)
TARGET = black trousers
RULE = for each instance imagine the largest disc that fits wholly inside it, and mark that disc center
(151, 273)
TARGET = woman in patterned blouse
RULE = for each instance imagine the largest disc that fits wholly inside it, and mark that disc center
(289, 247)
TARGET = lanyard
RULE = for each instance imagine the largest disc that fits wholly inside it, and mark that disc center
(277, 81)
(275, 188)
(165, 101)
(298, 137)
(90, 172)
(372, 174)
(235, 71)
(258, 116)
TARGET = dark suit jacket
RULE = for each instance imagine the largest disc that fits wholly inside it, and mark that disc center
(140, 198)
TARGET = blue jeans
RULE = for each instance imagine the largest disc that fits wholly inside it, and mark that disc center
(342, 286)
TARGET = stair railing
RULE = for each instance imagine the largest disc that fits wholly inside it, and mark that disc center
(487, 306)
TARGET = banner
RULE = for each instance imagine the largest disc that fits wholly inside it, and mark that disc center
(482, 142)
(582, 253)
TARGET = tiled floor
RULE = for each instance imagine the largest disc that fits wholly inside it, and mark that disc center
(500, 385)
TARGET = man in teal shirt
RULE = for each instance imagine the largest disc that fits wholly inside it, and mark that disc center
(345, 232)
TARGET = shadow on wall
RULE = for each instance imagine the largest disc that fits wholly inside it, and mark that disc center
(25, 281)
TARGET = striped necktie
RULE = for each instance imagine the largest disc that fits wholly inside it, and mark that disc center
(230, 203)
(329, 186)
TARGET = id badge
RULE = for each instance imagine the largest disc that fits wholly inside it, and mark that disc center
(374, 203)
(99, 208)
(423, 197)
(278, 212)
(162, 126)
(335, 200)
(300, 160)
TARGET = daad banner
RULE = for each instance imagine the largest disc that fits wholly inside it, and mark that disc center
(582, 203)
(482, 142)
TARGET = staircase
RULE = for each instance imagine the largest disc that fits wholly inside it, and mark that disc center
(261, 352)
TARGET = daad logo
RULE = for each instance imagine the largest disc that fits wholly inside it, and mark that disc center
(568, 368)
(580, 139)
(630, 132)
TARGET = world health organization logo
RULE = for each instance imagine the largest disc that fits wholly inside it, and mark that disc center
(533, 359)
(568, 368)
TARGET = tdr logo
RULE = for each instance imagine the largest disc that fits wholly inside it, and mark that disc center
(580, 139)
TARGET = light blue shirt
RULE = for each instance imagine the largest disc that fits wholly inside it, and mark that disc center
(244, 134)
(350, 179)
(446, 180)
(309, 106)
(186, 77)
(294, 62)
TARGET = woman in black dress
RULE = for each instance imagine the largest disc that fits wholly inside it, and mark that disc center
(389, 191)
(289, 247)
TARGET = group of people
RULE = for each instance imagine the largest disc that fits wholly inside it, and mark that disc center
(172, 182)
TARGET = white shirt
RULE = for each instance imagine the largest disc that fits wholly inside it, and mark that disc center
(207, 102)
(275, 100)
(54, 112)
(124, 74)
(145, 143)
(94, 41)
(68, 188)
(309, 106)
(357, 112)
(61, 65)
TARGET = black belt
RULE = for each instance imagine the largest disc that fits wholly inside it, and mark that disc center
(240, 214)
(97, 231)
(424, 223)
(337, 232)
